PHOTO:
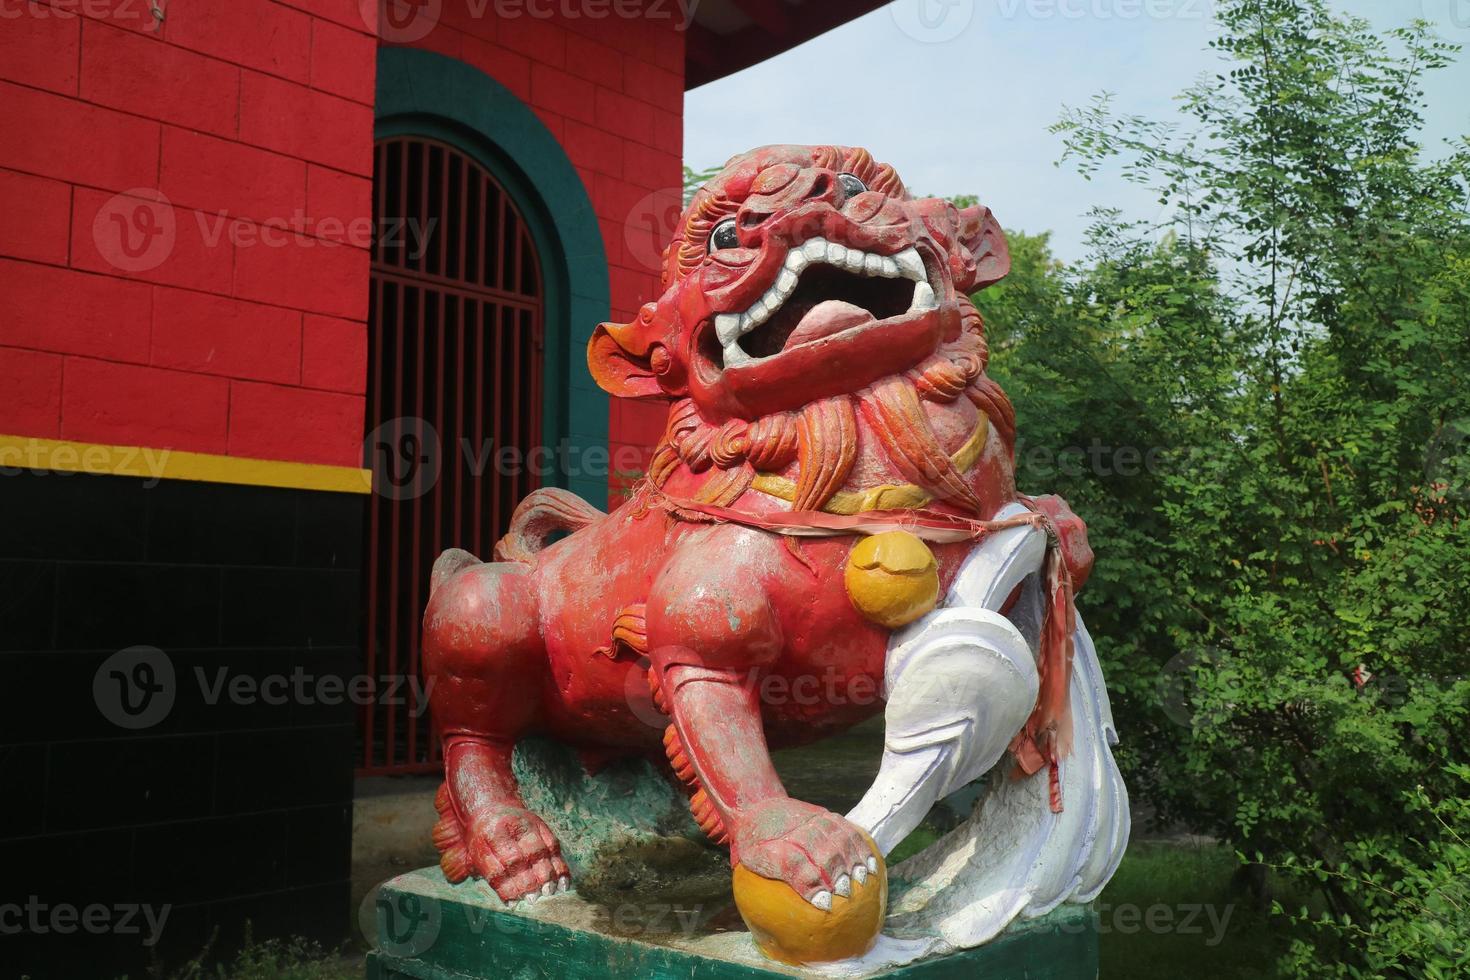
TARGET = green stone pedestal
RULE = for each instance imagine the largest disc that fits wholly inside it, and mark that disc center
(430, 930)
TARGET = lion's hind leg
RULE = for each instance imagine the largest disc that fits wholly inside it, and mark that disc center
(486, 829)
(487, 668)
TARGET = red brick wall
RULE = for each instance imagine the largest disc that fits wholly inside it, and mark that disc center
(229, 120)
(242, 334)
(611, 89)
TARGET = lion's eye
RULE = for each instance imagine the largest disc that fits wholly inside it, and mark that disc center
(724, 236)
(851, 185)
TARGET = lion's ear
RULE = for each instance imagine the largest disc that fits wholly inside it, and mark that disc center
(618, 365)
(981, 235)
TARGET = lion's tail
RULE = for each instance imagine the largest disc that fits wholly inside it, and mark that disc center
(540, 515)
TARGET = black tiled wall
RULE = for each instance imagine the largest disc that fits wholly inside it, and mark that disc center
(226, 809)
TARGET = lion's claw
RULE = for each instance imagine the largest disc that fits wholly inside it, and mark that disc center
(518, 855)
(810, 849)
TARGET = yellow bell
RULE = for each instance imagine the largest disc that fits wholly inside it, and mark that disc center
(892, 578)
(789, 929)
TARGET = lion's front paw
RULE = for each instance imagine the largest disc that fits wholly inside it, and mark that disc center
(816, 852)
(517, 854)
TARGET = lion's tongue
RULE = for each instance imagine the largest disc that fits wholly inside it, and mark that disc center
(826, 318)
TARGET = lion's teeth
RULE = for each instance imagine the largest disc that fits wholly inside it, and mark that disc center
(758, 312)
(913, 267)
(727, 327)
(735, 354)
(908, 264)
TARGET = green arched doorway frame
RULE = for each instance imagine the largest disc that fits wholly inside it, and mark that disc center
(421, 93)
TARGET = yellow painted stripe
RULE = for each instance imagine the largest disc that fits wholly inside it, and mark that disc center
(29, 453)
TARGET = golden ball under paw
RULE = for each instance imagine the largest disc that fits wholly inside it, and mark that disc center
(788, 928)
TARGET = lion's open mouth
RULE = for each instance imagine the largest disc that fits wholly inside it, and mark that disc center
(824, 289)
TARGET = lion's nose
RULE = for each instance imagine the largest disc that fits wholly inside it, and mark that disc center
(781, 189)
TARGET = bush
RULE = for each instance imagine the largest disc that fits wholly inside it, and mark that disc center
(1262, 411)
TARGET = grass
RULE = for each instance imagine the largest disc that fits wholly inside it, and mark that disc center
(1150, 927)
(1173, 910)
(921, 838)
(274, 959)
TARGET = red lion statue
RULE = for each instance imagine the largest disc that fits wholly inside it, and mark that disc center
(825, 371)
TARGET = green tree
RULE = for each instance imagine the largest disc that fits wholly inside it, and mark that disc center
(695, 179)
(1113, 367)
(1288, 357)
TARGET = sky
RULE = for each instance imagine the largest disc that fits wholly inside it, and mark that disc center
(959, 94)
